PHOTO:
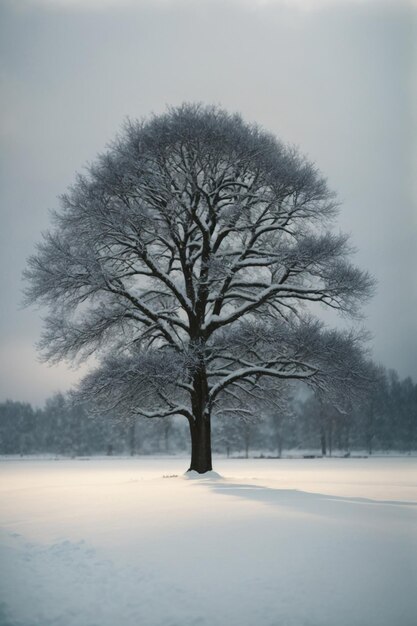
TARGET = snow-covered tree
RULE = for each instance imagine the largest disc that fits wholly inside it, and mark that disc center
(183, 259)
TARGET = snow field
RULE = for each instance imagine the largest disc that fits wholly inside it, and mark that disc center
(134, 542)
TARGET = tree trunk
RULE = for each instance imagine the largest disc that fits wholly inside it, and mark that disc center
(200, 426)
(370, 429)
(247, 439)
(347, 443)
(323, 440)
(278, 439)
(330, 437)
(132, 437)
(200, 431)
(167, 428)
(279, 446)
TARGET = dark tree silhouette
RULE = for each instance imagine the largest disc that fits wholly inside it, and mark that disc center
(182, 260)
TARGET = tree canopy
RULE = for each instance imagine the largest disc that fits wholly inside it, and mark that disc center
(184, 260)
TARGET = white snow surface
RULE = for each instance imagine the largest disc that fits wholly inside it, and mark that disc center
(130, 542)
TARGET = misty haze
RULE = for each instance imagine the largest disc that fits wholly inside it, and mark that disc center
(208, 409)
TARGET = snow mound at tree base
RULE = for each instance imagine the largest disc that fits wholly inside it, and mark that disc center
(193, 475)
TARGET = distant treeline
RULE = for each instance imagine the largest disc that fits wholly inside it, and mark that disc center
(385, 420)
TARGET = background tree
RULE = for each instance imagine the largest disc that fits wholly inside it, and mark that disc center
(280, 414)
(183, 258)
(373, 412)
(227, 435)
(404, 409)
(53, 429)
(18, 423)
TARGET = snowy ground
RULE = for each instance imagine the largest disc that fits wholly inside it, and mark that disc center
(121, 542)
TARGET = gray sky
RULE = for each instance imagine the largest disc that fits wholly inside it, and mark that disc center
(333, 77)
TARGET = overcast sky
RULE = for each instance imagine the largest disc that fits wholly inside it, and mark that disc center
(333, 77)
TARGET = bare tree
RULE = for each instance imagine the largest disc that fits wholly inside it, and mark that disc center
(183, 259)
